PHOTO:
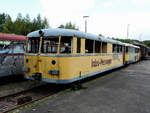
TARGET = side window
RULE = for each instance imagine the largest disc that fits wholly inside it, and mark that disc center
(120, 49)
(133, 50)
(5, 45)
(97, 46)
(104, 47)
(66, 45)
(89, 46)
(114, 48)
(78, 45)
(127, 49)
(137, 50)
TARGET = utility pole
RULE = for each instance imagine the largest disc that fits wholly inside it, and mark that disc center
(128, 26)
(140, 37)
(85, 23)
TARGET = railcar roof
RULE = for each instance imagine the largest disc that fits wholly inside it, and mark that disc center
(68, 32)
(12, 37)
(131, 45)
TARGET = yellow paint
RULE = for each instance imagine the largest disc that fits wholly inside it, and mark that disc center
(58, 51)
(69, 67)
(82, 46)
(109, 47)
(104, 47)
(74, 45)
(126, 57)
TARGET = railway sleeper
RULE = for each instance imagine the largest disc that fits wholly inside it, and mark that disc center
(24, 99)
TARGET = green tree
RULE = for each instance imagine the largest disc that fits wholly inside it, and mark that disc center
(69, 25)
(28, 25)
(38, 23)
(8, 27)
(100, 35)
(2, 20)
(45, 23)
(19, 24)
(147, 42)
(22, 25)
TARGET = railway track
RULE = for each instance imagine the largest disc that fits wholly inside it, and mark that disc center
(11, 79)
(19, 99)
(22, 98)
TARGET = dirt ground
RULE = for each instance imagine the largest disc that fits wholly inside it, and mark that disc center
(123, 91)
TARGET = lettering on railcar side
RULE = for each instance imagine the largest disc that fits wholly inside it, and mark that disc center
(96, 63)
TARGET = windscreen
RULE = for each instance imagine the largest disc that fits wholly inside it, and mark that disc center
(4, 45)
(33, 45)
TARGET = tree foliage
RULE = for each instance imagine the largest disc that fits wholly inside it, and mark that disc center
(69, 25)
(21, 25)
(146, 42)
(131, 41)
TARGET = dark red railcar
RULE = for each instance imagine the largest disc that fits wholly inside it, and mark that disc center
(11, 54)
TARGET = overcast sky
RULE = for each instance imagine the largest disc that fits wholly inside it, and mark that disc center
(107, 17)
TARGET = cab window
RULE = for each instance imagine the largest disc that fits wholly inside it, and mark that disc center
(33, 45)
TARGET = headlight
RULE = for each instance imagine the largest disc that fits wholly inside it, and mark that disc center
(53, 72)
(26, 69)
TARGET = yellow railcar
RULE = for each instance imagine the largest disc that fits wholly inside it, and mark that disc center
(63, 56)
(132, 53)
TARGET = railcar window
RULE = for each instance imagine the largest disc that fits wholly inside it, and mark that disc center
(120, 49)
(66, 45)
(78, 45)
(4, 45)
(33, 45)
(127, 49)
(97, 46)
(89, 46)
(114, 48)
(133, 50)
(49, 45)
(104, 47)
(136, 50)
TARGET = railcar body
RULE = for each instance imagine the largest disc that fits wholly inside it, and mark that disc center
(148, 51)
(143, 50)
(132, 53)
(64, 56)
(11, 54)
